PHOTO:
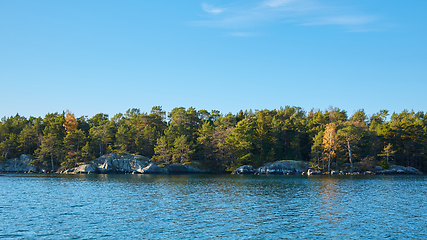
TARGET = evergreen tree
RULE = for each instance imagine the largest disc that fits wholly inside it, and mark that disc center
(163, 153)
(182, 150)
(49, 154)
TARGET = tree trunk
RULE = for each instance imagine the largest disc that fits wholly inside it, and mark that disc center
(330, 151)
(51, 160)
(323, 164)
(7, 152)
(349, 153)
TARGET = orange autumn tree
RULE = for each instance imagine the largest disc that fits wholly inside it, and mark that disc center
(74, 139)
(70, 123)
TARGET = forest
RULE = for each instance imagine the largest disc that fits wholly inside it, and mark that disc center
(328, 139)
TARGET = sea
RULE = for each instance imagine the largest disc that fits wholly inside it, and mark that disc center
(202, 206)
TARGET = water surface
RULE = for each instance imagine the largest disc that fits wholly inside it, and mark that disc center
(212, 206)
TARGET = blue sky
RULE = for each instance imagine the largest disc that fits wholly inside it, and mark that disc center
(109, 56)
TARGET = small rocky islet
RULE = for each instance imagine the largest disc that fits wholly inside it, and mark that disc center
(121, 163)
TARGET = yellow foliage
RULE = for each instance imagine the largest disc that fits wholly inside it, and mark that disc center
(70, 123)
(330, 141)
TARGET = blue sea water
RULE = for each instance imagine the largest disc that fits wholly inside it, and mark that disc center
(36, 206)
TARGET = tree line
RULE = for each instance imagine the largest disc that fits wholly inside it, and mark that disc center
(328, 139)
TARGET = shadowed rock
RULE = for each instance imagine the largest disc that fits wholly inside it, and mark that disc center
(21, 164)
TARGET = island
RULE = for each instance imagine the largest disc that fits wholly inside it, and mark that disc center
(287, 140)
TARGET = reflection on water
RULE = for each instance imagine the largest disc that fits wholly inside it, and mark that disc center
(213, 206)
(330, 210)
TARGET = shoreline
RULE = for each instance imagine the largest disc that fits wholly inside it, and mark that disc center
(115, 163)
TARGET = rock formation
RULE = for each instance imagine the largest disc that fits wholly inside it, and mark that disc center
(129, 163)
(21, 164)
(279, 167)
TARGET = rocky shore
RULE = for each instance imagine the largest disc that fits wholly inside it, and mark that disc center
(21, 164)
(135, 164)
(129, 163)
(279, 167)
(106, 164)
(292, 167)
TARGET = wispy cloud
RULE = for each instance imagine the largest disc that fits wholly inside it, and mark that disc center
(211, 9)
(342, 20)
(296, 12)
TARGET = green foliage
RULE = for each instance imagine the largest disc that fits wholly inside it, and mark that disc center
(50, 152)
(367, 163)
(221, 142)
(384, 164)
(163, 152)
(181, 151)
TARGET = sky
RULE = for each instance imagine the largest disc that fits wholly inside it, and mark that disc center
(92, 57)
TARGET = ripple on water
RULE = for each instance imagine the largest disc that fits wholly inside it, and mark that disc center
(211, 206)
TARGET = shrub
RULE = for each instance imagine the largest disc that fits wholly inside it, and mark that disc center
(367, 163)
(384, 164)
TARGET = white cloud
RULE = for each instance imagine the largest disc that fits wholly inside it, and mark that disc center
(342, 20)
(297, 12)
(211, 9)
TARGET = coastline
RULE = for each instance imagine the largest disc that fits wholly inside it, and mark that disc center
(115, 163)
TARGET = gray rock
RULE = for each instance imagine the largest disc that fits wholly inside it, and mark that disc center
(406, 170)
(104, 167)
(245, 169)
(283, 167)
(176, 168)
(120, 163)
(172, 169)
(191, 169)
(129, 163)
(378, 168)
(395, 169)
(21, 164)
(82, 169)
(153, 168)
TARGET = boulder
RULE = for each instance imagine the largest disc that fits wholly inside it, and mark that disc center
(179, 168)
(130, 163)
(283, 167)
(408, 170)
(21, 164)
(245, 169)
(378, 168)
(395, 169)
(82, 169)
(120, 163)
(104, 167)
(153, 168)
(176, 168)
